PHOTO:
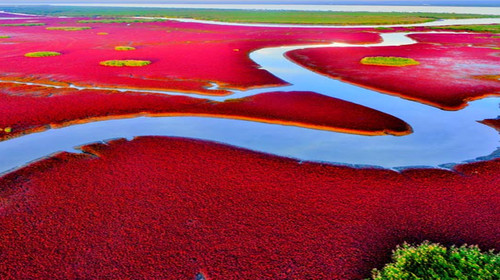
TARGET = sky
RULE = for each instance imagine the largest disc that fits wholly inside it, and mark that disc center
(338, 2)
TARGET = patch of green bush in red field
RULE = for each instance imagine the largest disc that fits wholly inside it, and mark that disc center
(170, 208)
(22, 24)
(124, 48)
(447, 76)
(434, 261)
(69, 28)
(209, 57)
(42, 54)
(388, 61)
(487, 28)
(122, 63)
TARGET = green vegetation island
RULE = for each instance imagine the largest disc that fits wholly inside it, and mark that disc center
(433, 261)
(124, 48)
(109, 14)
(42, 54)
(389, 61)
(128, 63)
(488, 28)
(69, 28)
(22, 24)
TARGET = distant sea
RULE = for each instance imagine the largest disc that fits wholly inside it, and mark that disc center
(346, 8)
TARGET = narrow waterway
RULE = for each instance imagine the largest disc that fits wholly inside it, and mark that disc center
(440, 137)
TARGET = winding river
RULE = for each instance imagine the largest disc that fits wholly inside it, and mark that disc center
(440, 138)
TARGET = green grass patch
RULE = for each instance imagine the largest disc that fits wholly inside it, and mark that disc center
(124, 48)
(42, 54)
(487, 28)
(22, 24)
(434, 261)
(6, 130)
(389, 61)
(128, 63)
(383, 28)
(69, 28)
(4, 36)
(112, 14)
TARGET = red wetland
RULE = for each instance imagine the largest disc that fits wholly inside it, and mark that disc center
(159, 207)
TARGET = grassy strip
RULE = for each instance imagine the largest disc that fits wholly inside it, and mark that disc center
(388, 61)
(4, 36)
(42, 54)
(256, 16)
(68, 28)
(489, 28)
(124, 48)
(129, 63)
(22, 24)
(433, 261)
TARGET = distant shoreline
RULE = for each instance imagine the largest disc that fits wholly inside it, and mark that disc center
(260, 3)
(337, 8)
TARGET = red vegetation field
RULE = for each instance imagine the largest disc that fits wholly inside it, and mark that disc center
(495, 123)
(167, 208)
(171, 208)
(449, 74)
(32, 108)
(471, 39)
(185, 56)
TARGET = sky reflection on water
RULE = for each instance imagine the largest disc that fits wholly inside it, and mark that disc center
(439, 137)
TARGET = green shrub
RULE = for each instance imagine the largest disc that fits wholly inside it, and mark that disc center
(41, 54)
(124, 48)
(22, 24)
(69, 28)
(489, 28)
(129, 63)
(388, 61)
(434, 261)
(4, 36)
(383, 28)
